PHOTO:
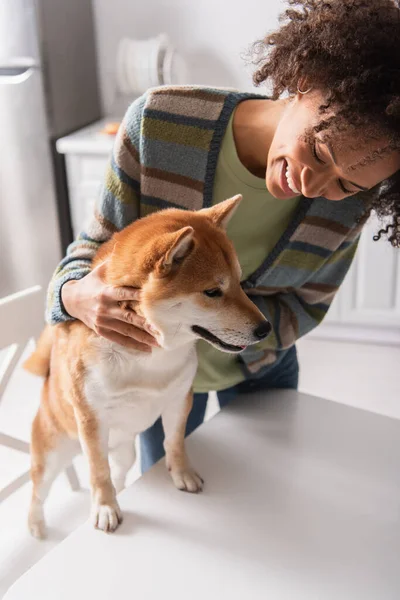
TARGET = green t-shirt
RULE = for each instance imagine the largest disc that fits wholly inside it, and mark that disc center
(254, 229)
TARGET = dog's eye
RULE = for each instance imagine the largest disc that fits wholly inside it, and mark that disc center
(214, 293)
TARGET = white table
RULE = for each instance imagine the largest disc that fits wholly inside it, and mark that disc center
(301, 502)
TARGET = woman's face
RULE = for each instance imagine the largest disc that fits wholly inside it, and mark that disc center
(334, 170)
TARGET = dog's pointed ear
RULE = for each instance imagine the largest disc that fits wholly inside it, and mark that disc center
(221, 213)
(177, 246)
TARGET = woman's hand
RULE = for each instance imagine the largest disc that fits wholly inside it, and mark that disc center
(98, 306)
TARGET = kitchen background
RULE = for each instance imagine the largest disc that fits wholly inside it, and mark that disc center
(65, 76)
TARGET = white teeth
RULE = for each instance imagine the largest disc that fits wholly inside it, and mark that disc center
(290, 182)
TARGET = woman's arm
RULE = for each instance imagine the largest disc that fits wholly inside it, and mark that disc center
(76, 291)
(117, 206)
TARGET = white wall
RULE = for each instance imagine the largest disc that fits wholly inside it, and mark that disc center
(211, 34)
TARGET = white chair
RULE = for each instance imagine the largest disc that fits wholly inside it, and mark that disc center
(21, 319)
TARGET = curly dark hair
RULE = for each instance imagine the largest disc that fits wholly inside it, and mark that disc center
(350, 50)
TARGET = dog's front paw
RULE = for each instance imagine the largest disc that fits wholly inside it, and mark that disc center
(37, 529)
(187, 481)
(36, 523)
(106, 517)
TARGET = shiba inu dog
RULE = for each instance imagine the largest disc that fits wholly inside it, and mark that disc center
(99, 395)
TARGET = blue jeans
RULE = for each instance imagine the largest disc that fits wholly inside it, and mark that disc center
(282, 374)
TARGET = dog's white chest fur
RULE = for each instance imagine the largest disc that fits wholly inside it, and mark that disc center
(130, 389)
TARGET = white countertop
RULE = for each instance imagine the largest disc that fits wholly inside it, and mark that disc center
(88, 140)
(301, 502)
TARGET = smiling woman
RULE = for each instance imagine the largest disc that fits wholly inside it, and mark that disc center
(339, 61)
(310, 162)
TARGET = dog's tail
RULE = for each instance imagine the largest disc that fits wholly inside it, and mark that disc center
(39, 361)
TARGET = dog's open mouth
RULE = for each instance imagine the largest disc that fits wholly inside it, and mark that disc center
(210, 337)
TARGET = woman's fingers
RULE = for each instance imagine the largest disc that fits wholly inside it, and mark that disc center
(113, 321)
(122, 294)
(126, 316)
(129, 316)
(127, 330)
(123, 340)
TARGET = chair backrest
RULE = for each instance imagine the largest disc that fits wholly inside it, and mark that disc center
(21, 319)
(21, 316)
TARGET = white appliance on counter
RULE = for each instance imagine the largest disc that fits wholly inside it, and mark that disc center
(142, 64)
(367, 308)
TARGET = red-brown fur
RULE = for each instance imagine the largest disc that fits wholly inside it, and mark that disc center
(66, 351)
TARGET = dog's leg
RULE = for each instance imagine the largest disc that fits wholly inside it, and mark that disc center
(93, 435)
(174, 420)
(122, 456)
(47, 461)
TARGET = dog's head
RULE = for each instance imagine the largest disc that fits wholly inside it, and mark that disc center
(190, 277)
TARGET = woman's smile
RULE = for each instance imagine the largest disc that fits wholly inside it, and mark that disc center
(286, 182)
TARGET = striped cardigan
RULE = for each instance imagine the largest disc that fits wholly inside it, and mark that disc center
(165, 155)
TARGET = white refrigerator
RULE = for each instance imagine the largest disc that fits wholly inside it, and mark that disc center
(48, 88)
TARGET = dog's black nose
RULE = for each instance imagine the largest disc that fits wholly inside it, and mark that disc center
(262, 330)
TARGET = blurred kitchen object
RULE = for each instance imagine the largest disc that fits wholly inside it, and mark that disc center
(142, 64)
(48, 88)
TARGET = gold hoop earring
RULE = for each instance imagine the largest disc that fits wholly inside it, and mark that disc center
(305, 92)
